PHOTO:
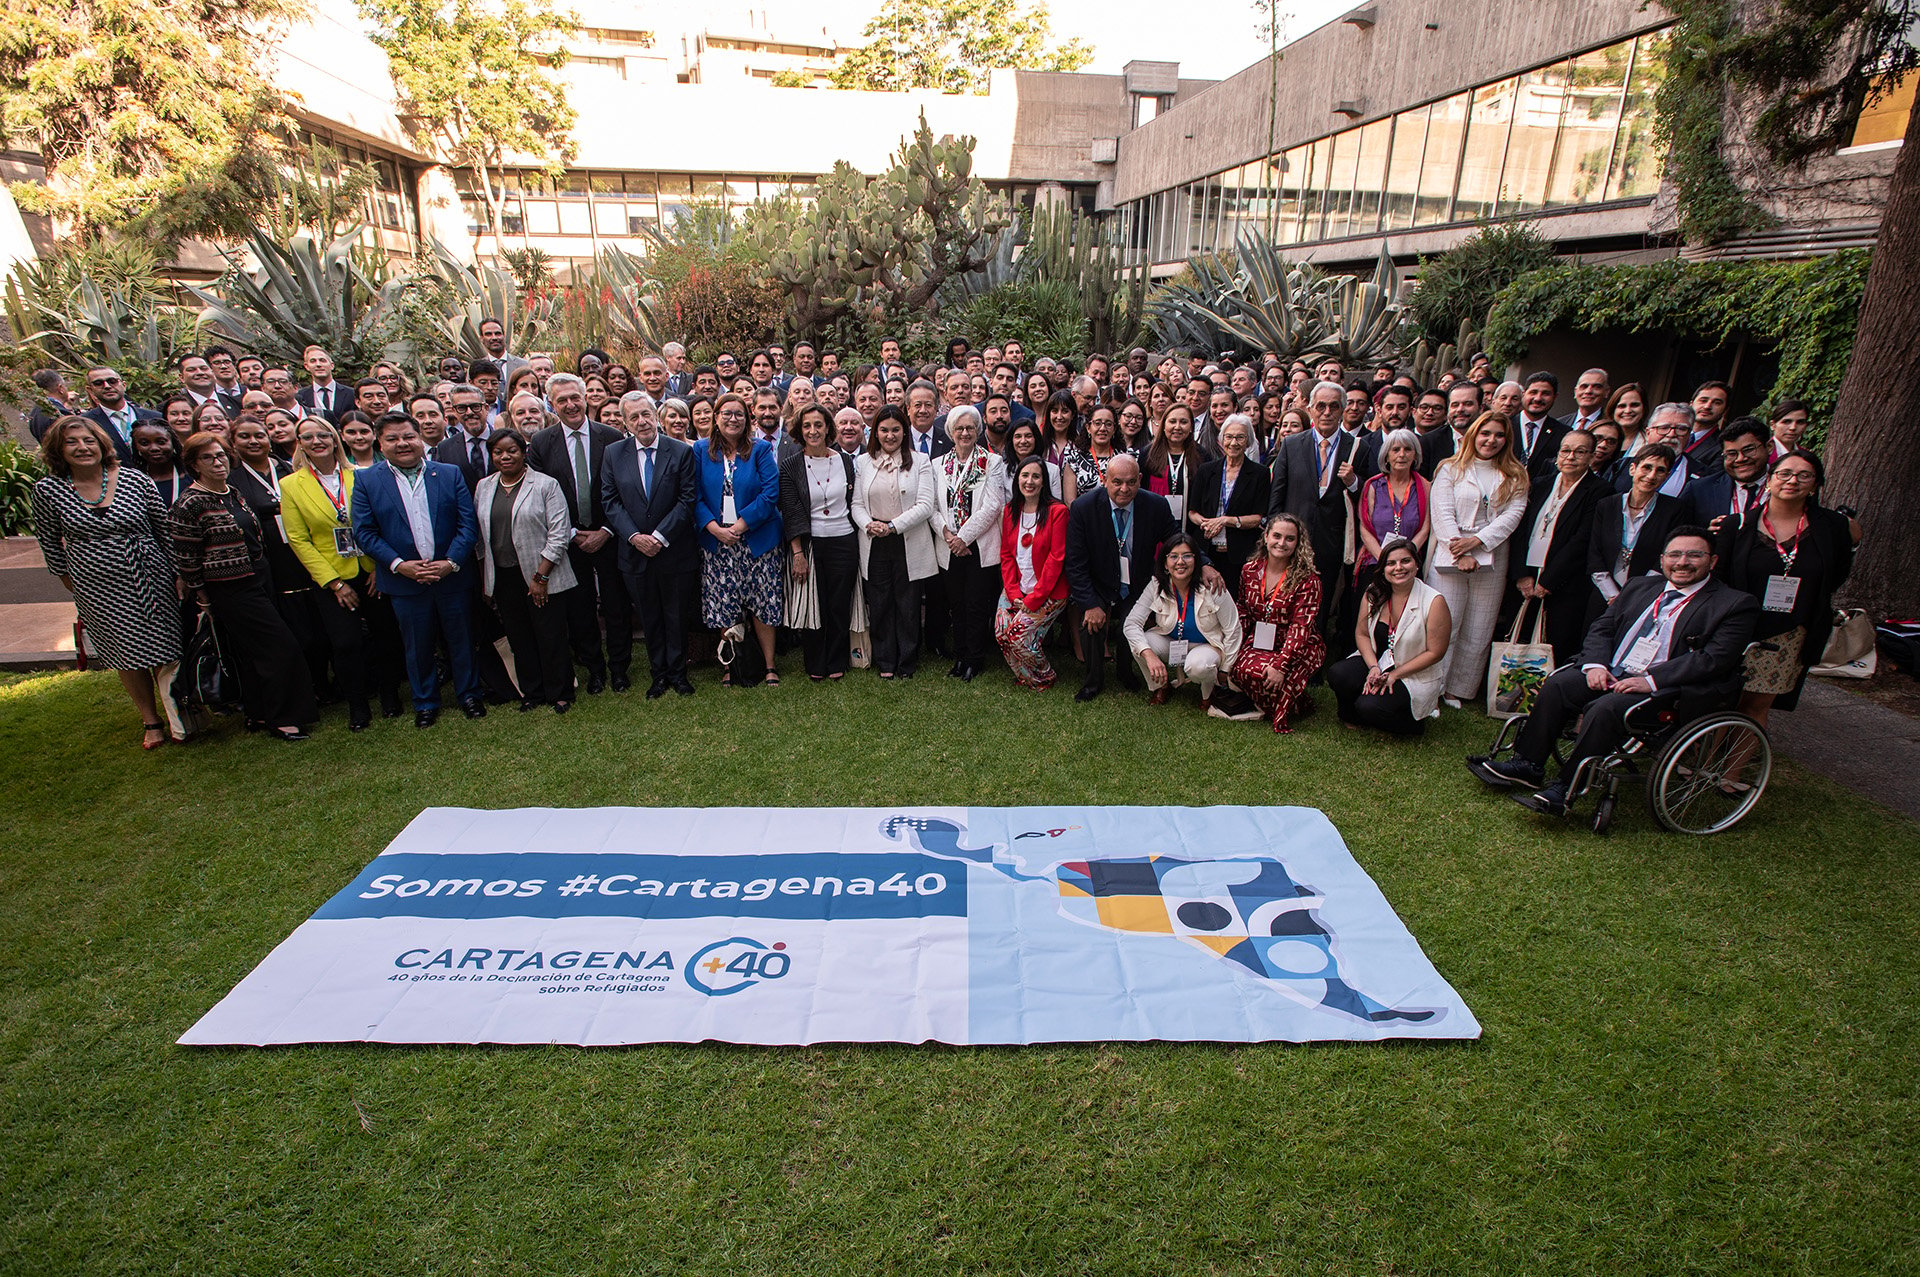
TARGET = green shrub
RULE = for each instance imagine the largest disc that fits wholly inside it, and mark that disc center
(1459, 286)
(18, 470)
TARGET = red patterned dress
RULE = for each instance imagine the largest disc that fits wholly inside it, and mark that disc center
(1291, 609)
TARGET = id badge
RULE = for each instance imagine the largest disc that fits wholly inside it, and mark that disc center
(1264, 635)
(1641, 655)
(1177, 652)
(1781, 593)
(343, 543)
(1126, 571)
(281, 524)
(1179, 507)
(728, 515)
(1386, 660)
(1220, 540)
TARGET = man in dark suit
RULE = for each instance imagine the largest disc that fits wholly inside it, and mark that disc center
(114, 411)
(1702, 448)
(1114, 535)
(1679, 631)
(574, 452)
(493, 340)
(323, 396)
(1393, 411)
(415, 518)
(55, 401)
(465, 445)
(227, 386)
(1436, 445)
(926, 436)
(1740, 484)
(1536, 431)
(647, 486)
(1312, 472)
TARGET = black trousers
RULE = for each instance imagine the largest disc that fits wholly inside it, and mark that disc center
(664, 599)
(973, 589)
(937, 611)
(1095, 644)
(1563, 695)
(275, 684)
(537, 635)
(1335, 621)
(835, 564)
(484, 630)
(601, 595)
(1392, 712)
(364, 643)
(893, 607)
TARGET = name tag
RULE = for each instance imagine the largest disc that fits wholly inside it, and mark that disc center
(1608, 587)
(1179, 507)
(1177, 651)
(1126, 571)
(343, 543)
(1537, 554)
(1386, 660)
(280, 524)
(728, 515)
(1220, 539)
(1641, 656)
(1264, 635)
(1781, 593)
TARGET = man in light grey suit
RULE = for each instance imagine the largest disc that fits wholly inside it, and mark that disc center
(647, 486)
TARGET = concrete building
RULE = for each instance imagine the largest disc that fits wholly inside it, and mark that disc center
(1412, 123)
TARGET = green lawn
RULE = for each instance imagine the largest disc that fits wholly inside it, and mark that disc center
(1699, 1056)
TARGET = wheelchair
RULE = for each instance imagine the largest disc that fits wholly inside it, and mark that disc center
(1703, 765)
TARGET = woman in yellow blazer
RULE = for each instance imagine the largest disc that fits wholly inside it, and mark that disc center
(315, 504)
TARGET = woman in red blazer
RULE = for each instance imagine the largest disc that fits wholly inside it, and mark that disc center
(1033, 554)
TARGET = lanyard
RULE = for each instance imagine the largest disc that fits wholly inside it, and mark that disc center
(1177, 473)
(1184, 604)
(1273, 595)
(339, 502)
(1227, 482)
(1397, 508)
(1630, 524)
(726, 483)
(1789, 550)
(271, 478)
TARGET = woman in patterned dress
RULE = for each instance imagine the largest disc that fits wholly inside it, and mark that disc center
(738, 511)
(102, 531)
(1033, 551)
(1280, 647)
(1084, 465)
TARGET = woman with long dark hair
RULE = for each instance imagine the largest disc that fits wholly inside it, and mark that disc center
(892, 507)
(1180, 631)
(1392, 682)
(1280, 647)
(823, 548)
(1033, 549)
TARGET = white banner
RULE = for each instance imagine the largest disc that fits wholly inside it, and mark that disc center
(785, 926)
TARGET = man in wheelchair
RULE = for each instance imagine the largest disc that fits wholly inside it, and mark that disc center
(1679, 632)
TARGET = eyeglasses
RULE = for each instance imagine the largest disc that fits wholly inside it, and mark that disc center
(1794, 476)
(1688, 555)
(103, 382)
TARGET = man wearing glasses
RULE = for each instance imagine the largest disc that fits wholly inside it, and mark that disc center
(1671, 424)
(113, 410)
(1678, 630)
(1741, 485)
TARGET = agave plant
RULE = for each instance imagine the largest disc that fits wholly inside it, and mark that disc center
(76, 318)
(1362, 319)
(467, 294)
(305, 295)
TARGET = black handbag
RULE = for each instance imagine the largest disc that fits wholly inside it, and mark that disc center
(205, 682)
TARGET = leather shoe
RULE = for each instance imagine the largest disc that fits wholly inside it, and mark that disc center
(970, 673)
(527, 707)
(1086, 694)
(682, 685)
(475, 708)
(1551, 801)
(426, 717)
(596, 684)
(657, 689)
(620, 683)
(959, 670)
(1507, 773)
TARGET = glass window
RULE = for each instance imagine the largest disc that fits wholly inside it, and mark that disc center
(609, 218)
(740, 190)
(1635, 169)
(1440, 162)
(575, 219)
(1313, 190)
(572, 186)
(543, 217)
(1485, 151)
(641, 184)
(1589, 123)
(1402, 185)
(1370, 176)
(1292, 194)
(1886, 119)
(1539, 100)
(1339, 197)
(709, 188)
(604, 183)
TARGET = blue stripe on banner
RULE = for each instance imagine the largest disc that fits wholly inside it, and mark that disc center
(567, 885)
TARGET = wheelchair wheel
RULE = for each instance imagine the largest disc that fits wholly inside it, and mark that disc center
(1603, 814)
(1710, 774)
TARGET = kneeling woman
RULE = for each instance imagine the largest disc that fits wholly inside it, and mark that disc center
(1179, 630)
(1279, 604)
(1393, 682)
(1033, 552)
(524, 533)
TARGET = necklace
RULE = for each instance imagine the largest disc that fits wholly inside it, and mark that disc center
(516, 483)
(93, 501)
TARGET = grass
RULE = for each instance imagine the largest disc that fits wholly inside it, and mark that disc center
(1699, 1056)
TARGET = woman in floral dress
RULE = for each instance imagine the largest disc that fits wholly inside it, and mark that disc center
(1279, 602)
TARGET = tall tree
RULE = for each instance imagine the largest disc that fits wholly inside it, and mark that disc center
(476, 78)
(153, 116)
(953, 45)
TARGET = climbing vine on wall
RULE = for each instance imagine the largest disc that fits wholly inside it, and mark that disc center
(1806, 310)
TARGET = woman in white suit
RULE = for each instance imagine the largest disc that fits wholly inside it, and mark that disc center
(522, 546)
(970, 491)
(1479, 498)
(893, 508)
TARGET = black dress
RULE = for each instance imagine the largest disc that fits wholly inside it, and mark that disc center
(1822, 561)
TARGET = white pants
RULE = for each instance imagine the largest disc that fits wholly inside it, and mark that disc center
(1473, 599)
(1202, 666)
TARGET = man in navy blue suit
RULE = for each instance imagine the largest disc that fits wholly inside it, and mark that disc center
(647, 486)
(415, 519)
(1739, 485)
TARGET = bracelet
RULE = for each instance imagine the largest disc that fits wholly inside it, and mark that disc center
(539, 578)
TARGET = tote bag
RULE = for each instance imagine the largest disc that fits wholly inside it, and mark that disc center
(1515, 670)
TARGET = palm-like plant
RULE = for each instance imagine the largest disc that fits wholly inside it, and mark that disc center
(78, 313)
(305, 295)
(467, 293)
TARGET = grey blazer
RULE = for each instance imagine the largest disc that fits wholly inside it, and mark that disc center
(542, 529)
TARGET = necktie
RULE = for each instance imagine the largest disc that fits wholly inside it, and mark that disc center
(1123, 531)
(1752, 497)
(926, 442)
(1649, 624)
(324, 396)
(581, 485)
(1533, 433)
(646, 474)
(479, 455)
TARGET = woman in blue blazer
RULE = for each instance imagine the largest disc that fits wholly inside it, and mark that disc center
(738, 510)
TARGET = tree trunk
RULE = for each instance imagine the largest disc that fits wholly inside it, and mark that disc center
(1873, 447)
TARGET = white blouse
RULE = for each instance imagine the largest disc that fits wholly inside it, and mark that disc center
(1469, 505)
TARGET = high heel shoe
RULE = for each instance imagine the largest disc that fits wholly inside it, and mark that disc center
(150, 728)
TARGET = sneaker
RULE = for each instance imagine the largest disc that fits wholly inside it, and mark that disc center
(1551, 801)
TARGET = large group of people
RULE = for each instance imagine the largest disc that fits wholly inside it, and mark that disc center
(1250, 528)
